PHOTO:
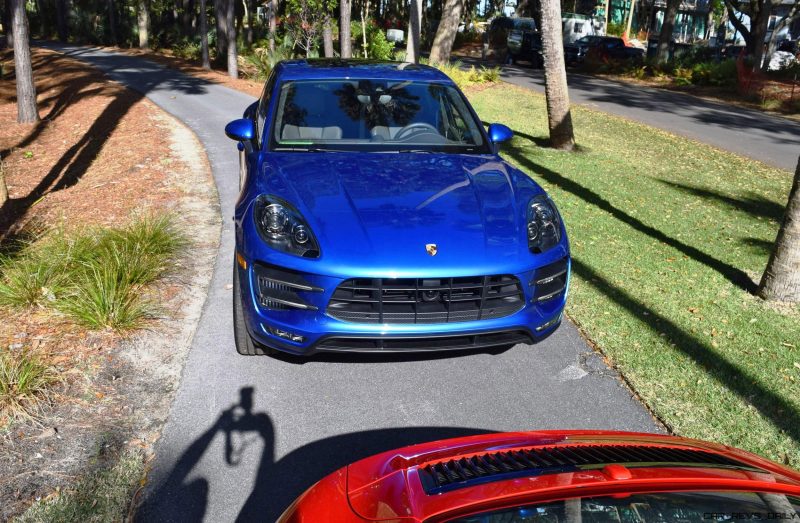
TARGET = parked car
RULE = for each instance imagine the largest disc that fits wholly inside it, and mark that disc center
(601, 48)
(524, 42)
(539, 477)
(375, 214)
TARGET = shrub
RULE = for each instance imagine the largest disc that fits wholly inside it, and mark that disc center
(378, 48)
(682, 76)
(262, 61)
(95, 276)
(466, 77)
(187, 50)
(25, 380)
(720, 74)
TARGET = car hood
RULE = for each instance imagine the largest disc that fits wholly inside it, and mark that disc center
(388, 207)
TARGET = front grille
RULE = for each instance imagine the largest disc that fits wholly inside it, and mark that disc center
(278, 289)
(426, 300)
(427, 343)
(497, 466)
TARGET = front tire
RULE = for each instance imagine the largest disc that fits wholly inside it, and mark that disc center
(245, 345)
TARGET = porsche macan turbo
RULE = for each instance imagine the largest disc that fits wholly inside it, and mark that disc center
(376, 215)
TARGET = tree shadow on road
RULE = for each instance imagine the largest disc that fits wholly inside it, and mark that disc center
(183, 497)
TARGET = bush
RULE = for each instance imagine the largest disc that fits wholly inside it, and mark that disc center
(25, 380)
(188, 50)
(378, 48)
(261, 61)
(466, 77)
(95, 276)
(720, 74)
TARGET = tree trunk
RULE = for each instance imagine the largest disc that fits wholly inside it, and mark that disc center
(186, 17)
(781, 280)
(62, 12)
(787, 20)
(204, 35)
(233, 66)
(250, 7)
(758, 31)
(364, 14)
(220, 15)
(112, 21)
(143, 18)
(327, 37)
(3, 186)
(345, 45)
(446, 33)
(629, 19)
(23, 69)
(665, 36)
(555, 77)
(272, 10)
(414, 29)
(7, 17)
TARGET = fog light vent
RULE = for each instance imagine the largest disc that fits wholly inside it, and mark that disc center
(286, 335)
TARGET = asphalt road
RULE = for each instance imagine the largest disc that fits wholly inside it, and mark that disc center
(771, 139)
(247, 435)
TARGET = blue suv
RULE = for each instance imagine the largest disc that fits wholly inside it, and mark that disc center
(376, 215)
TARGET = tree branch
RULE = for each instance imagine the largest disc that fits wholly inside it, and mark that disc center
(735, 21)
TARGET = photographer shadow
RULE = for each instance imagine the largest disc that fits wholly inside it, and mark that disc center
(182, 497)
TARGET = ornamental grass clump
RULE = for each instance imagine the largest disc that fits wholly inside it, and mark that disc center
(99, 277)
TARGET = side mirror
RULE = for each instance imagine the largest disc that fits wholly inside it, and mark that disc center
(499, 133)
(241, 130)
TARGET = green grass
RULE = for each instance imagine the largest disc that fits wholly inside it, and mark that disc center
(668, 236)
(103, 495)
(96, 276)
(25, 380)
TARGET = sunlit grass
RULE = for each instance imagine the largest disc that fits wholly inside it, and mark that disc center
(668, 237)
(25, 382)
(96, 276)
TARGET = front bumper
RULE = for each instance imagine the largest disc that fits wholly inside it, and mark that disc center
(311, 330)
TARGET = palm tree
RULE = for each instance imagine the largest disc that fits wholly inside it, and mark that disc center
(781, 280)
(555, 77)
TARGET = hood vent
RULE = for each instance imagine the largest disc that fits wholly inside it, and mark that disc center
(498, 466)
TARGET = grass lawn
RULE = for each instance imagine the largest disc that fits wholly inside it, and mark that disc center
(669, 238)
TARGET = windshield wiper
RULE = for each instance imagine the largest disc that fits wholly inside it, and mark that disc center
(311, 150)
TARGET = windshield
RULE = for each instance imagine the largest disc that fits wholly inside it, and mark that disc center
(374, 115)
(651, 508)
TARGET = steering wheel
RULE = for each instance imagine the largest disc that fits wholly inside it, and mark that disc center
(414, 129)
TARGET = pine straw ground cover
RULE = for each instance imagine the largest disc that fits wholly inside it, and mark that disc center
(100, 190)
(669, 237)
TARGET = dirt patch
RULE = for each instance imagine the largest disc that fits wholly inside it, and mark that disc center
(101, 154)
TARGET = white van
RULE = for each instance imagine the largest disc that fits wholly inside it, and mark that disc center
(576, 26)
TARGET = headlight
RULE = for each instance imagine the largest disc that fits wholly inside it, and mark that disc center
(544, 224)
(282, 227)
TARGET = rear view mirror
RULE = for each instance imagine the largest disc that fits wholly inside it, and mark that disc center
(499, 133)
(241, 130)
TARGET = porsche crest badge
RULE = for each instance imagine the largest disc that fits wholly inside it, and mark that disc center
(431, 248)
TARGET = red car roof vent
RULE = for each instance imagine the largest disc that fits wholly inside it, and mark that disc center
(497, 466)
